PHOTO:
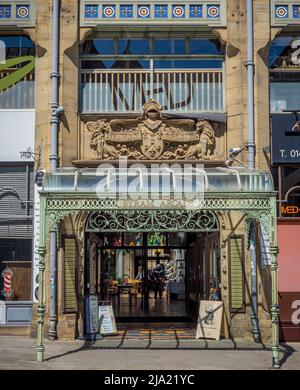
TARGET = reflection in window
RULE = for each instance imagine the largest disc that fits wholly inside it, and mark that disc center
(17, 92)
(133, 46)
(156, 239)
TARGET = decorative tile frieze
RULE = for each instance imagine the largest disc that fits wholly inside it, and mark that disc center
(284, 12)
(207, 12)
(17, 13)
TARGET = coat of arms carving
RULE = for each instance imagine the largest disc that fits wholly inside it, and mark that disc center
(153, 136)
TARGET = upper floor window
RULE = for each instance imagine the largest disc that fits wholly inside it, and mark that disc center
(284, 62)
(17, 64)
(182, 73)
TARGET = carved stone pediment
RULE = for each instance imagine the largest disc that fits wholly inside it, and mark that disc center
(152, 137)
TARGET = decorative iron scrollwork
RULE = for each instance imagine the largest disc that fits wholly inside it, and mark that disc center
(150, 220)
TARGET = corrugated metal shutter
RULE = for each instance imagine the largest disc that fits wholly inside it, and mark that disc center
(70, 301)
(237, 293)
(16, 201)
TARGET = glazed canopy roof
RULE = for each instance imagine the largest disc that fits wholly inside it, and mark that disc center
(107, 180)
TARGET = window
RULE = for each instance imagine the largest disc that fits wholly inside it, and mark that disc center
(17, 73)
(182, 73)
(284, 62)
(15, 269)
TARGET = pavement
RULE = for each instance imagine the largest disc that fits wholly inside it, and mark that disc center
(18, 353)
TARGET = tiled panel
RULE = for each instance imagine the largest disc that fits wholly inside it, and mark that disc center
(284, 12)
(17, 13)
(208, 12)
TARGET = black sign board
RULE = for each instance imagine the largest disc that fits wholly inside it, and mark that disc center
(285, 138)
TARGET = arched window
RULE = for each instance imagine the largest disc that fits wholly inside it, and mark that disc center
(184, 73)
(17, 72)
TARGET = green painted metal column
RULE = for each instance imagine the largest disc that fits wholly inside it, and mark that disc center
(40, 349)
(275, 307)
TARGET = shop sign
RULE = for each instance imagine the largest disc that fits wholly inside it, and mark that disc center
(7, 275)
(290, 210)
(209, 320)
(285, 139)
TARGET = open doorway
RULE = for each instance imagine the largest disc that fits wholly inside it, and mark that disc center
(153, 276)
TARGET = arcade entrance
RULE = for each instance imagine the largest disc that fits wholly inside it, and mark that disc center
(153, 276)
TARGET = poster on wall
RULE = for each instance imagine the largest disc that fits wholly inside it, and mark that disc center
(107, 319)
(209, 320)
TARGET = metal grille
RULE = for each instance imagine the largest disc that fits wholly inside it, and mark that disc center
(16, 201)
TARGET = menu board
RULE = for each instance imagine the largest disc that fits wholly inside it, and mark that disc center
(107, 319)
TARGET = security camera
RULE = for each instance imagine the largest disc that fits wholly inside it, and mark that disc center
(235, 151)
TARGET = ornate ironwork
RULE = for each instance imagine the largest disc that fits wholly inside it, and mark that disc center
(149, 220)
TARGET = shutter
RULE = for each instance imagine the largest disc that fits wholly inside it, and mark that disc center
(237, 292)
(13, 211)
(70, 302)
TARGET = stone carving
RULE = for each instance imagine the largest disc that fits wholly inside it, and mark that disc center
(152, 136)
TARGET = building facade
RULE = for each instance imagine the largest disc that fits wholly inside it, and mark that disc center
(158, 84)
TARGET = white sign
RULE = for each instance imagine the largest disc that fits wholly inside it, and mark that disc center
(108, 323)
(209, 320)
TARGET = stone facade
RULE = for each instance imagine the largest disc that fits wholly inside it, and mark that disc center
(74, 135)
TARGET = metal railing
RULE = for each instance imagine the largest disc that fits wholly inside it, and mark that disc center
(126, 90)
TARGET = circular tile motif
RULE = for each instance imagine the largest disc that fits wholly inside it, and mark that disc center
(144, 12)
(109, 12)
(23, 12)
(281, 12)
(213, 12)
(178, 11)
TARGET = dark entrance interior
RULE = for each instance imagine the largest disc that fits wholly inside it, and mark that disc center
(122, 268)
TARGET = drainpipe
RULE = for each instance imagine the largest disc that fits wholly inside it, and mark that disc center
(251, 165)
(56, 111)
(250, 69)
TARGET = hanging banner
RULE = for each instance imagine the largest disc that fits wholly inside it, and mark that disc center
(209, 320)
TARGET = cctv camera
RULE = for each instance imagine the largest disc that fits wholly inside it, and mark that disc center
(235, 150)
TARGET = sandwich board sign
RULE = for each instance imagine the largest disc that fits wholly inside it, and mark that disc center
(107, 319)
(209, 320)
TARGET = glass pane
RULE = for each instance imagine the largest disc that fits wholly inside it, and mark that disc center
(133, 239)
(15, 270)
(206, 46)
(177, 239)
(169, 46)
(112, 240)
(133, 46)
(284, 96)
(188, 64)
(97, 46)
(156, 239)
(19, 61)
(281, 51)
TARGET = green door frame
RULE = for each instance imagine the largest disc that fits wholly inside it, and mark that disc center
(258, 206)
